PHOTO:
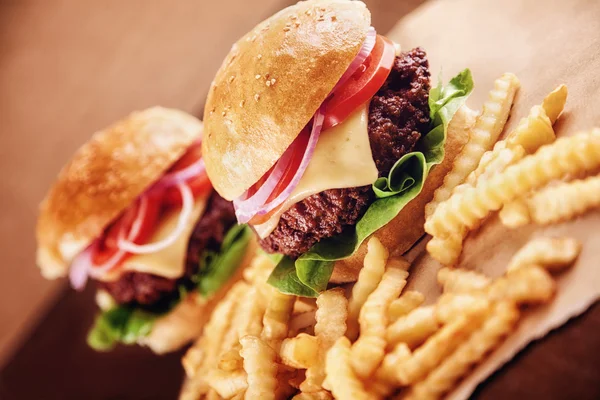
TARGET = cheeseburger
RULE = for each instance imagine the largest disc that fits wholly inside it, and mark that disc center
(322, 133)
(134, 211)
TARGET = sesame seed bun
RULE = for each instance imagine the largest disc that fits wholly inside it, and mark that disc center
(104, 177)
(271, 84)
(401, 233)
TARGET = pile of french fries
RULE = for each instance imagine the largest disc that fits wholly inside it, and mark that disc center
(372, 339)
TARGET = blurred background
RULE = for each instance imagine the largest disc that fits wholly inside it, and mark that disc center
(70, 67)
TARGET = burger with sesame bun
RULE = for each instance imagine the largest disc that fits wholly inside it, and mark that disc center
(324, 133)
(134, 211)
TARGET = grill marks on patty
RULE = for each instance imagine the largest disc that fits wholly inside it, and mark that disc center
(398, 115)
(151, 290)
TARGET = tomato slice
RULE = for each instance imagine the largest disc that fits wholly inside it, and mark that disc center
(198, 184)
(298, 149)
(107, 247)
(362, 85)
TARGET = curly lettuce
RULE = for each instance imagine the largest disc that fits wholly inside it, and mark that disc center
(310, 273)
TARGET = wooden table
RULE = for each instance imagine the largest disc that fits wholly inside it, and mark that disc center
(69, 67)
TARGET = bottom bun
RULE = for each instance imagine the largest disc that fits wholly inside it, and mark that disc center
(185, 322)
(401, 233)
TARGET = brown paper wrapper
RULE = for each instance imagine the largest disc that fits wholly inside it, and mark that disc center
(544, 44)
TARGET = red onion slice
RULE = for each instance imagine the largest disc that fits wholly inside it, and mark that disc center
(248, 213)
(310, 149)
(245, 207)
(187, 208)
(360, 58)
(181, 176)
(80, 268)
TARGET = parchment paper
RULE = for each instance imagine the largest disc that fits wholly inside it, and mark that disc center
(544, 44)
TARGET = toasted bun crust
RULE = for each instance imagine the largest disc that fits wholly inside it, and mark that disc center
(402, 232)
(104, 177)
(271, 84)
(186, 321)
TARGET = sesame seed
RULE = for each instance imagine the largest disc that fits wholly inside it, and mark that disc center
(272, 81)
(293, 17)
(286, 29)
(321, 19)
(242, 103)
(231, 78)
(223, 113)
(333, 18)
(257, 76)
(268, 83)
(256, 96)
(253, 38)
(259, 56)
(308, 12)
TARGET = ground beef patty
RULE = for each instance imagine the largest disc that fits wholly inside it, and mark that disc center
(398, 115)
(149, 290)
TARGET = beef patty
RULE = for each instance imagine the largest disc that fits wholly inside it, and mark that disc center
(152, 290)
(398, 115)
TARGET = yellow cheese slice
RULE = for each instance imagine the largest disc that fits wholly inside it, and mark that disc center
(342, 159)
(169, 262)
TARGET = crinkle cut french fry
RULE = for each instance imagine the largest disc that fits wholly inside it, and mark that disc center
(532, 132)
(550, 253)
(554, 103)
(530, 285)
(405, 304)
(447, 250)
(500, 161)
(451, 306)
(302, 323)
(260, 365)
(437, 347)
(344, 383)
(227, 383)
(231, 359)
(276, 318)
(368, 279)
(458, 280)
(387, 370)
(443, 378)
(332, 312)
(553, 204)
(414, 328)
(465, 210)
(369, 349)
(485, 133)
(300, 352)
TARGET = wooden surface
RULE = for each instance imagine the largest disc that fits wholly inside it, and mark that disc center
(70, 67)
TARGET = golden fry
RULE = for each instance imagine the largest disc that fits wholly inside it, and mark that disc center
(550, 253)
(302, 323)
(485, 133)
(437, 347)
(231, 359)
(368, 279)
(369, 349)
(322, 395)
(414, 328)
(405, 304)
(555, 102)
(554, 204)
(260, 365)
(332, 312)
(227, 384)
(450, 306)
(300, 352)
(276, 318)
(344, 383)
(460, 280)
(447, 250)
(465, 210)
(528, 285)
(443, 378)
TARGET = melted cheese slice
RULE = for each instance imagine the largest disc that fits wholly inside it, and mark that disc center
(169, 262)
(342, 159)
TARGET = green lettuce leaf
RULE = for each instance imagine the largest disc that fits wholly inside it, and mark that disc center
(405, 181)
(122, 324)
(217, 267)
(126, 324)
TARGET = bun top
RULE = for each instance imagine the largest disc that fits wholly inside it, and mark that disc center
(104, 177)
(270, 85)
